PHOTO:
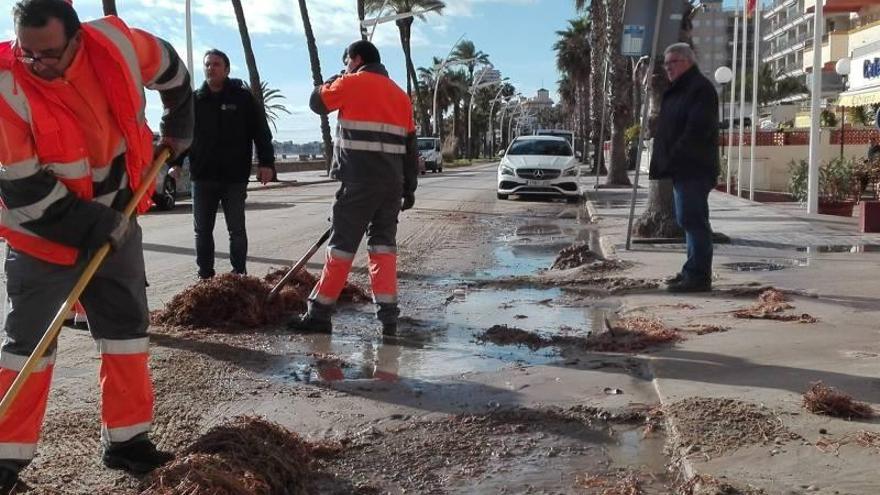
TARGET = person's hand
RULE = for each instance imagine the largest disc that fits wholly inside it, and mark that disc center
(176, 145)
(265, 174)
(409, 199)
(174, 172)
(333, 78)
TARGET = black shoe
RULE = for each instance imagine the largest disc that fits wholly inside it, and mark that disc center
(305, 323)
(690, 285)
(676, 279)
(8, 480)
(139, 457)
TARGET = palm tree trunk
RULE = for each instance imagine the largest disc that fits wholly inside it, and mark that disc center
(597, 69)
(362, 14)
(317, 79)
(620, 91)
(412, 81)
(109, 7)
(256, 86)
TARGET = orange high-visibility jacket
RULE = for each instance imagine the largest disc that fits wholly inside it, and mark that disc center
(375, 136)
(73, 149)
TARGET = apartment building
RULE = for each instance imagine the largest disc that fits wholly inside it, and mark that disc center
(711, 37)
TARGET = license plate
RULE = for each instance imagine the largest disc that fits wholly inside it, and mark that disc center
(537, 182)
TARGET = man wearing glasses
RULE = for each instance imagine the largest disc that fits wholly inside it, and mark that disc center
(376, 160)
(686, 150)
(74, 144)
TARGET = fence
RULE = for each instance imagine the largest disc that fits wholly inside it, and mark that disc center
(799, 138)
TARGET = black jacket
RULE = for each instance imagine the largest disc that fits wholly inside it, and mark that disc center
(227, 125)
(686, 135)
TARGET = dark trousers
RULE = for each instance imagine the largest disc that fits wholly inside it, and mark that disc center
(692, 214)
(207, 196)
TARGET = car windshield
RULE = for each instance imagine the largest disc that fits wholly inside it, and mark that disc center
(540, 147)
(426, 144)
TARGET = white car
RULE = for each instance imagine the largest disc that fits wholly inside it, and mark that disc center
(539, 165)
(429, 149)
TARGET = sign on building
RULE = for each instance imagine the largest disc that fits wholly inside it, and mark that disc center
(639, 20)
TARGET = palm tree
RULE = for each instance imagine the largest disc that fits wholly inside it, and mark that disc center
(573, 59)
(598, 18)
(109, 7)
(619, 93)
(248, 51)
(465, 50)
(317, 80)
(362, 14)
(273, 107)
(405, 28)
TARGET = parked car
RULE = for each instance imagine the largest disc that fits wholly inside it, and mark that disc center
(173, 182)
(429, 149)
(539, 165)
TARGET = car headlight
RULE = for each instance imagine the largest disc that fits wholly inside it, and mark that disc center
(505, 170)
(570, 172)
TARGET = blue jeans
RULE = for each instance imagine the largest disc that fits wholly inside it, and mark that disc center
(692, 214)
(207, 196)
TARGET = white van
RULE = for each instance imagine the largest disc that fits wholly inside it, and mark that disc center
(429, 150)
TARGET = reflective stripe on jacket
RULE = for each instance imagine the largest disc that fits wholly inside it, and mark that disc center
(55, 193)
(375, 137)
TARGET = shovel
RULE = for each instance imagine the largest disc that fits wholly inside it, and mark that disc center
(55, 327)
(299, 264)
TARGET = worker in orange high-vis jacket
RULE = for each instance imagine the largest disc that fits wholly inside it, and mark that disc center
(74, 145)
(376, 161)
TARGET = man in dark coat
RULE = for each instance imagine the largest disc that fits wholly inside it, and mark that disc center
(228, 123)
(686, 151)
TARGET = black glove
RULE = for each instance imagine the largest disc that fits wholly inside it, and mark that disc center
(122, 232)
(409, 199)
(333, 78)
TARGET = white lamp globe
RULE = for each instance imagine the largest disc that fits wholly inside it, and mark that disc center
(843, 66)
(723, 75)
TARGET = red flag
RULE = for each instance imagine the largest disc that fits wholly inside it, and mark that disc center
(750, 7)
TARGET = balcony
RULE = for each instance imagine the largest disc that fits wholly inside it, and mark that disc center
(839, 6)
(864, 34)
(835, 46)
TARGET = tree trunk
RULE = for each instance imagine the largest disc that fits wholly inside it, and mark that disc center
(597, 71)
(317, 80)
(412, 81)
(256, 86)
(620, 91)
(362, 14)
(455, 128)
(109, 7)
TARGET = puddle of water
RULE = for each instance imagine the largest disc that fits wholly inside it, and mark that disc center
(439, 347)
(768, 265)
(561, 457)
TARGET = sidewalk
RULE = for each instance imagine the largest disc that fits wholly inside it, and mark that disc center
(763, 362)
(293, 179)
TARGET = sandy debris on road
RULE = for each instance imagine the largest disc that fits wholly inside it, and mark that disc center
(619, 483)
(772, 305)
(718, 426)
(704, 484)
(828, 401)
(240, 302)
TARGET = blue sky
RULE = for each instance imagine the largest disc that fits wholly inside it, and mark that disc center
(517, 34)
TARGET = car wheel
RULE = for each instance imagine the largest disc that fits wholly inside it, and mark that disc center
(167, 197)
(439, 169)
(502, 196)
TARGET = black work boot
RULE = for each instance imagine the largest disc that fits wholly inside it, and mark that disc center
(8, 480)
(306, 323)
(389, 329)
(135, 456)
(387, 313)
(690, 285)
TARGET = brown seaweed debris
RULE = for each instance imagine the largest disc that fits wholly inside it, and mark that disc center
(237, 302)
(627, 335)
(772, 305)
(246, 456)
(622, 483)
(828, 401)
(574, 256)
(505, 335)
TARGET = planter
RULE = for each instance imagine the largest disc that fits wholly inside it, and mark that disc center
(839, 208)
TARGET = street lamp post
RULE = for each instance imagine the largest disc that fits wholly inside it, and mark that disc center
(723, 75)
(815, 96)
(189, 45)
(842, 67)
(492, 119)
(437, 78)
(473, 92)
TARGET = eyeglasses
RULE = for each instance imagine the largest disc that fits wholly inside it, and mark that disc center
(672, 62)
(45, 59)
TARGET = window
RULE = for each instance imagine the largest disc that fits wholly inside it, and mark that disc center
(540, 147)
(720, 22)
(697, 23)
(696, 40)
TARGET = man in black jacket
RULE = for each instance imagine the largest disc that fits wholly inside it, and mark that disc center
(228, 123)
(686, 150)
